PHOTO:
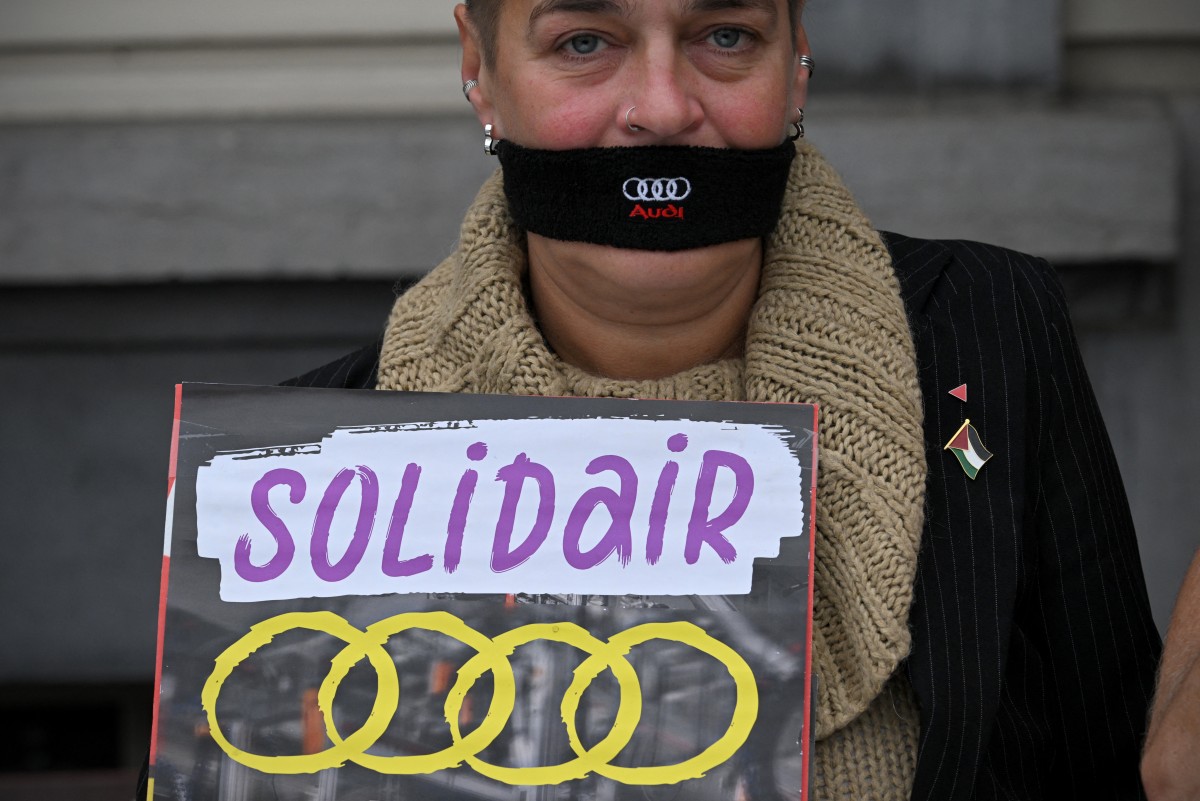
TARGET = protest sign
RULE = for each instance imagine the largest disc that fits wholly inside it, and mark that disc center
(372, 595)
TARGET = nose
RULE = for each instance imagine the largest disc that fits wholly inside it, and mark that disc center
(663, 101)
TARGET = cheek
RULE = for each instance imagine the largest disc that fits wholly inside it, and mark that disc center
(753, 124)
(753, 114)
(557, 117)
(574, 126)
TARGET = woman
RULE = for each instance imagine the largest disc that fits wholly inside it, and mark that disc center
(981, 632)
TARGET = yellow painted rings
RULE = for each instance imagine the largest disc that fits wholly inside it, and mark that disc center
(745, 710)
(628, 712)
(492, 655)
(387, 699)
(503, 697)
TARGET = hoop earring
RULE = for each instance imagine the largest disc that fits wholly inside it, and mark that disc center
(467, 87)
(807, 61)
(797, 126)
(490, 144)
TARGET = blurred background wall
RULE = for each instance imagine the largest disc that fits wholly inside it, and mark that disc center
(229, 191)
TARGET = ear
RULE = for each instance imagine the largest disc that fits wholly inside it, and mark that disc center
(802, 75)
(473, 66)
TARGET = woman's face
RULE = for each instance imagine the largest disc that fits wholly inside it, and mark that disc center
(717, 73)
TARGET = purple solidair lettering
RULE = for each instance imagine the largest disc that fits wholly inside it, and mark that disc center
(618, 539)
(393, 565)
(477, 452)
(504, 555)
(368, 505)
(260, 503)
(704, 530)
(661, 504)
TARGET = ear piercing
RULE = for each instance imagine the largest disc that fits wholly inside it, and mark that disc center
(798, 126)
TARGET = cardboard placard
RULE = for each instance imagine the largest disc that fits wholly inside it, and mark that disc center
(412, 595)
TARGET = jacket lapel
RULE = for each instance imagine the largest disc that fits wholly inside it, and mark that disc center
(960, 312)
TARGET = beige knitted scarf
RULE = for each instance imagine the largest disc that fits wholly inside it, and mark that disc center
(828, 327)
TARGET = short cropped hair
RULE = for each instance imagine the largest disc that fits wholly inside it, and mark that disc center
(485, 16)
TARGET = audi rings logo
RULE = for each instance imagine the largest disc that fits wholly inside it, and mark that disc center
(492, 656)
(657, 189)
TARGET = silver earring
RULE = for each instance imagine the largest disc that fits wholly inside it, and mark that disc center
(467, 87)
(798, 126)
(633, 128)
(807, 61)
(489, 143)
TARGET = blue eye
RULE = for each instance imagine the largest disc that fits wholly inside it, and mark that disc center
(584, 44)
(727, 38)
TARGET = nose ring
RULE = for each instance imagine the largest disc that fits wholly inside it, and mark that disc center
(633, 128)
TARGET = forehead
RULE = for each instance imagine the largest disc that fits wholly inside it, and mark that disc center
(531, 10)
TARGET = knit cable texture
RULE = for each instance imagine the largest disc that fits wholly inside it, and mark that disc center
(828, 327)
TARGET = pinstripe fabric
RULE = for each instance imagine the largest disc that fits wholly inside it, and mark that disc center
(357, 370)
(1033, 646)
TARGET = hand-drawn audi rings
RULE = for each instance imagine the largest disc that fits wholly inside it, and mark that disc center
(650, 189)
(491, 656)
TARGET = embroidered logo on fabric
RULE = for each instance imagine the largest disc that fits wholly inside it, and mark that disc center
(657, 189)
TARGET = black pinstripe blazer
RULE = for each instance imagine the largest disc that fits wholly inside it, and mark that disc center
(1033, 646)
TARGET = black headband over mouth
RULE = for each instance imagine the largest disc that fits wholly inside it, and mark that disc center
(646, 198)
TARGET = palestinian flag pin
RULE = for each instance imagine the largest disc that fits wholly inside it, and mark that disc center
(966, 445)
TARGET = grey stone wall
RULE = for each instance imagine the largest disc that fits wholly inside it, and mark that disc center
(229, 196)
(232, 205)
(925, 45)
(137, 256)
(122, 203)
(88, 398)
(1146, 371)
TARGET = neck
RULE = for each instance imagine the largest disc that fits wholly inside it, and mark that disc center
(630, 314)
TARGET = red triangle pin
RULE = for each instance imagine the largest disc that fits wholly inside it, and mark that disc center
(960, 392)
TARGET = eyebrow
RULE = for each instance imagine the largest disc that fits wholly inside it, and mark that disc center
(621, 8)
(615, 7)
(705, 6)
